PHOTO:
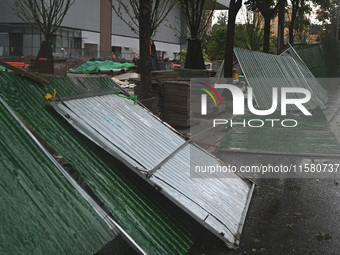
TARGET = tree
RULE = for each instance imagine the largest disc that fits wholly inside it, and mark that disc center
(198, 17)
(144, 48)
(281, 25)
(295, 8)
(325, 9)
(247, 36)
(234, 7)
(44, 15)
(268, 9)
(159, 10)
(298, 24)
(222, 20)
(252, 34)
(325, 13)
(216, 43)
(145, 16)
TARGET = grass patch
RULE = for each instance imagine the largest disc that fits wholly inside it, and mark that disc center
(324, 236)
(294, 187)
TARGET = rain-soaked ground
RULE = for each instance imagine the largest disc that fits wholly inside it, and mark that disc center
(292, 215)
(286, 215)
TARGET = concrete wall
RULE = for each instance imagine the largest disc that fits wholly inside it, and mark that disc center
(164, 33)
(6, 15)
(90, 37)
(83, 14)
(130, 44)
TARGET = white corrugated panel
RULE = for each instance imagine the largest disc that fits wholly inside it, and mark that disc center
(223, 199)
(265, 71)
(144, 143)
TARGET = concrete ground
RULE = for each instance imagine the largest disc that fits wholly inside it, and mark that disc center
(293, 215)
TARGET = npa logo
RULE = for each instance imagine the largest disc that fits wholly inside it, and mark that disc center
(238, 100)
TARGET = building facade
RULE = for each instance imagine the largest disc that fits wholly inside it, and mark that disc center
(90, 29)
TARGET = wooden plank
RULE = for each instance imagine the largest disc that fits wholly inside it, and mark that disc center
(29, 75)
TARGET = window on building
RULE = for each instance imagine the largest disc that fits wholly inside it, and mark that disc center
(4, 45)
(77, 42)
(16, 44)
(28, 44)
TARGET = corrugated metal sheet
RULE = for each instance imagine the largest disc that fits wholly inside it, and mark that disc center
(130, 133)
(41, 212)
(312, 57)
(114, 226)
(312, 135)
(128, 128)
(130, 201)
(221, 201)
(265, 71)
(305, 70)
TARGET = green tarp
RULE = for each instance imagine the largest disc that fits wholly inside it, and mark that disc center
(40, 211)
(312, 135)
(95, 66)
(134, 204)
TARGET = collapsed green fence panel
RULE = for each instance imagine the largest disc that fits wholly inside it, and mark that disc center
(40, 211)
(126, 196)
(312, 56)
(331, 49)
(312, 135)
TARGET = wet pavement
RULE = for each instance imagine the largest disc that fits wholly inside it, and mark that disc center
(292, 215)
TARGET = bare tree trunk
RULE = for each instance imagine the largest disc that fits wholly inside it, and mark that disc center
(266, 35)
(281, 25)
(300, 18)
(295, 6)
(194, 58)
(234, 7)
(45, 50)
(154, 59)
(144, 48)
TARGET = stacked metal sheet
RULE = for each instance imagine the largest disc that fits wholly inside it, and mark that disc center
(156, 93)
(164, 159)
(165, 75)
(265, 71)
(176, 103)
